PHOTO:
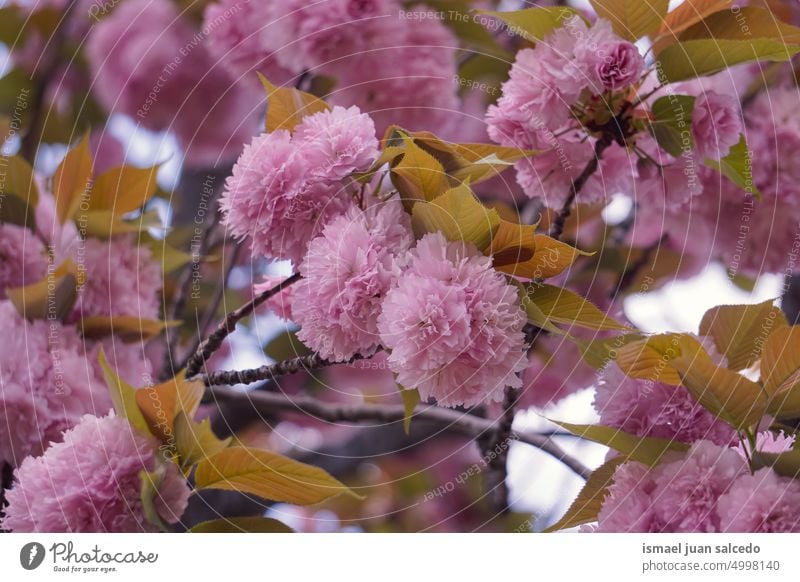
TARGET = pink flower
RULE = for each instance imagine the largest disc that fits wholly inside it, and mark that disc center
(46, 384)
(309, 36)
(678, 495)
(453, 325)
(281, 303)
(628, 507)
(338, 142)
(346, 274)
(716, 124)
(122, 278)
(274, 199)
(148, 62)
(556, 370)
(23, 259)
(647, 408)
(91, 482)
(687, 489)
(237, 30)
(761, 503)
(417, 92)
(768, 441)
(617, 64)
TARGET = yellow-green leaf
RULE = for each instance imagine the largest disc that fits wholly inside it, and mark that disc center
(160, 404)
(780, 371)
(194, 441)
(459, 215)
(590, 500)
(151, 481)
(410, 400)
(645, 450)
(127, 328)
(735, 399)
(688, 13)
(740, 331)
(123, 397)
(106, 223)
(19, 180)
(51, 298)
(552, 257)
(564, 307)
(71, 179)
(650, 358)
(632, 19)
(123, 189)
(513, 246)
(671, 125)
(744, 23)
(534, 23)
(696, 58)
(786, 464)
(267, 475)
(418, 175)
(287, 106)
(242, 525)
(737, 167)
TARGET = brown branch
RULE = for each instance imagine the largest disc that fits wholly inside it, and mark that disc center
(269, 371)
(453, 420)
(214, 341)
(577, 185)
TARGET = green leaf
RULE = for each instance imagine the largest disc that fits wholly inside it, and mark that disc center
(561, 306)
(242, 525)
(645, 450)
(71, 179)
(672, 123)
(696, 58)
(195, 441)
(458, 215)
(267, 475)
(737, 167)
(535, 23)
(123, 397)
(410, 400)
(632, 19)
(589, 501)
(740, 331)
(287, 106)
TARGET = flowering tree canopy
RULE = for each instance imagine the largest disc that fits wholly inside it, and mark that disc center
(264, 259)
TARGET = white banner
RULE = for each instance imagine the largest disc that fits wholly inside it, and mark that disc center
(398, 557)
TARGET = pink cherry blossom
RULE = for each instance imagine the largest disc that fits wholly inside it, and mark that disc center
(453, 325)
(91, 482)
(347, 272)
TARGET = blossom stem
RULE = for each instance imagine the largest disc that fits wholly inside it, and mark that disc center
(453, 420)
(211, 344)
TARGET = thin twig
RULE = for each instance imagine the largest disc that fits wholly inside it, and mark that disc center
(577, 185)
(269, 371)
(464, 423)
(214, 341)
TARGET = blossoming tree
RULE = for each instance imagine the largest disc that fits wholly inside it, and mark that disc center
(406, 211)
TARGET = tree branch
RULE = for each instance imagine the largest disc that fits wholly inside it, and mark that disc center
(214, 341)
(463, 423)
(577, 185)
